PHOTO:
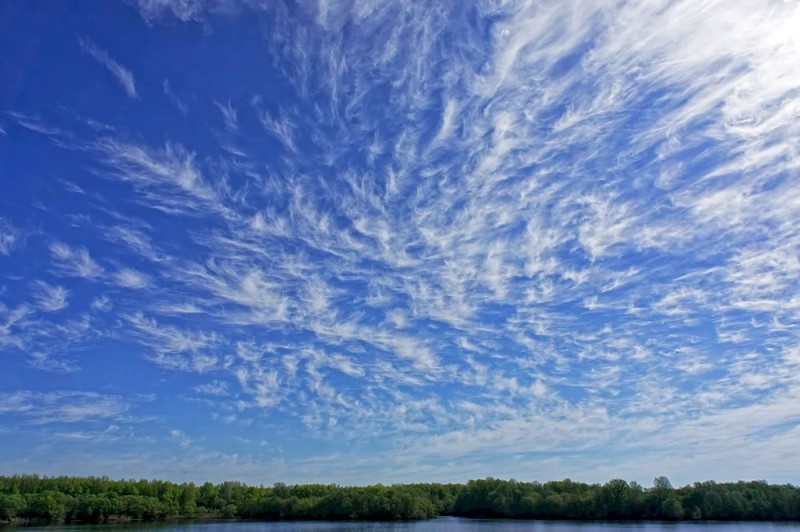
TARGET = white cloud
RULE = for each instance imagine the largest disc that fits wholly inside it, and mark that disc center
(9, 236)
(123, 75)
(178, 309)
(185, 10)
(15, 402)
(50, 298)
(130, 278)
(166, 179)
(74, 261)
(101, 304)
(229, 116)
(34, 123)
(213, 388)
(63, 406)
(181, 438)
(179, 103)
(135, 240)
(579, 223)
(175, 348)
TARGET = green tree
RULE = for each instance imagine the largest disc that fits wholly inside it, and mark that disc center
(11, 506)
(671, 508)
(48, 505)
(712, 505)
(616, 496)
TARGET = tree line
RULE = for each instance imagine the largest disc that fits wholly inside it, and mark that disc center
(99, 499)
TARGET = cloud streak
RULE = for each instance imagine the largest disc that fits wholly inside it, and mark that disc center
(9, 236)
(62, 406)
(50, 298)
(123, 76)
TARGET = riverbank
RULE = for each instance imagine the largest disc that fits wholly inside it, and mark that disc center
(99, 499)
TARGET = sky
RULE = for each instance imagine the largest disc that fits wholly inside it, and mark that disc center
(350, 241)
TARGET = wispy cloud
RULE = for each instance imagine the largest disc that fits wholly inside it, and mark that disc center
(213, 388)
(578, 221)
(50, 298)
(135, 240)
(130, 278)
(63, 406)
(168, 179)
(179, 103)
(123, 76)
(35, 123)
(9, 236)
(101, 304)
(229, 115)
(74, 261)
(181, 438)
(175, 348)
(185, 10)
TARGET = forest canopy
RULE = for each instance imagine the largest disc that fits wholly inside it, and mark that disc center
(99, 499)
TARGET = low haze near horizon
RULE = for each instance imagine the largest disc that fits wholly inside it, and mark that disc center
(363, 241)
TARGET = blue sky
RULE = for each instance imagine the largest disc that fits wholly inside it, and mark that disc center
(357, 241)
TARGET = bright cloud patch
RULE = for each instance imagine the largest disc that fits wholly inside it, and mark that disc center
(379, 242)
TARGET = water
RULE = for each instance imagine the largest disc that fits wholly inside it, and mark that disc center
(442, 524)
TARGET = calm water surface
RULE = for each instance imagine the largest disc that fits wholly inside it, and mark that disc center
(442, 524)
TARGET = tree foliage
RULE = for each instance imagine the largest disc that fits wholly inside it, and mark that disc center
(99, 499)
